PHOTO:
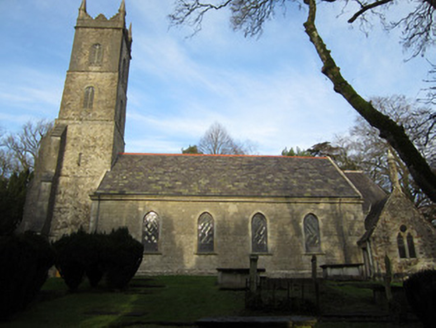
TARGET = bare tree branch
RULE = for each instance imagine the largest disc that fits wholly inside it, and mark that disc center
(192, 12)
(366, 7)
(389, 130)
(24, 146)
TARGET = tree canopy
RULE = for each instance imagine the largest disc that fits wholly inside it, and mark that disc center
(418, 31)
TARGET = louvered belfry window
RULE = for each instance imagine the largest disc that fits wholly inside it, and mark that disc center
(205, 233)
(150, 236)
(259, 234)
(88, 98)
(96, 54)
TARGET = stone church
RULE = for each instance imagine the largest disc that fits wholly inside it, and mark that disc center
(197, 213)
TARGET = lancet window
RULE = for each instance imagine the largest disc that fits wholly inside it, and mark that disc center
(259, 234)
(150, 233)
(405, 243)
(311, 234)
(96, 54)
(206, 230)
(88, 98)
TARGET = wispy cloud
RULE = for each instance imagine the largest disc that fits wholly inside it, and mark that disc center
(270, 91)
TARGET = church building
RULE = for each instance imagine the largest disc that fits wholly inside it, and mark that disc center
(197, 213)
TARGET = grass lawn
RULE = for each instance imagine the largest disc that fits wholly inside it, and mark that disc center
(178, 299)
(169, 300)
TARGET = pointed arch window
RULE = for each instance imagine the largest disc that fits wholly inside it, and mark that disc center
(205, 233)
(150, 232)
(312, 238)
(405, 243)
(88, 98)
(96, 54)
(411, 246)
(401, 246)
(259, 234)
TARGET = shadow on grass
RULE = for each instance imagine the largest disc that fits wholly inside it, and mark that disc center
(169, 299)
(174, 301)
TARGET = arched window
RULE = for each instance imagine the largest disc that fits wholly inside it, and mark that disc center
(259, 234)
(150, 232)
(88, 98)
(205, 233)
(311, 234)
(405, 250)
(401, 246)
(411, 246)
(96, 54)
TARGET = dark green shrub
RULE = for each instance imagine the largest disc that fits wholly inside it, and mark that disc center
(124, 256)
(420, 290)
(24, 262)
(70, 253)
(95, 255)
(94, 261)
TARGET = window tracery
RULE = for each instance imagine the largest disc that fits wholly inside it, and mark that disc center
(205, 233)
(259, 234)
(405, 243)
(150, 234)
(312, 234)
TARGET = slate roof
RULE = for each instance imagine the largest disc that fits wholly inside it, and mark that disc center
(224, 175)
(371, 192)
(374, 201)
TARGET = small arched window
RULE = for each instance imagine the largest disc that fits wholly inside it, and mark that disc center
(311, 234)
(401, 246)
(259, 234)
(150, 232)
(88, 98)
(411, 246)
(96, 54)
(406, 245)
(205, 233)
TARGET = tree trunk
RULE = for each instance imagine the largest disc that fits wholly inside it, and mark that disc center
(389, 130)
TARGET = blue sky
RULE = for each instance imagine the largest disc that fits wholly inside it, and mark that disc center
(268, 90)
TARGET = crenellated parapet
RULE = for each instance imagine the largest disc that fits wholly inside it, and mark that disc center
(116, 21)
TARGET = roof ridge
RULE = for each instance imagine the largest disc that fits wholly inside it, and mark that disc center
(219, 155)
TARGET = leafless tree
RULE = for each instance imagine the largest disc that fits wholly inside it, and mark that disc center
(369, 152)
(250, 16)
(20, 149)
(217, 140)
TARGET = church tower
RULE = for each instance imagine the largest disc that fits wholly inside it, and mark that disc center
(89, 131)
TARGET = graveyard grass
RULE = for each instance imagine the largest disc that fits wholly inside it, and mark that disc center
(152, 302)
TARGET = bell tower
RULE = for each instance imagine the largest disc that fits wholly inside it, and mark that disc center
(89, 131)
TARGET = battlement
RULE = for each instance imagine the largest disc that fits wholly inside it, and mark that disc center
(100, 21)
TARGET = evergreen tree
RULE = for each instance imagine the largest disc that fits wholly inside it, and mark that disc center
(12, 198)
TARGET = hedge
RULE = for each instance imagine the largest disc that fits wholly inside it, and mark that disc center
(24, 262)
(420, 290)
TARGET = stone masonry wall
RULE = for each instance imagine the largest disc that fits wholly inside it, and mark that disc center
(286, 253)
(400, 211)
